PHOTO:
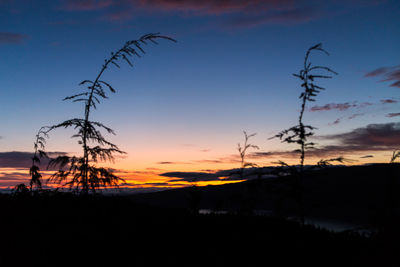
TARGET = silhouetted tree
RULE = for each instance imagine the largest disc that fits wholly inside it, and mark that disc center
(20, 190)
(328, 162)
(300, 133)
(242, 152)
(390, 217)
(247, 198)
(39, 146)
(79, 172)
(395, 156)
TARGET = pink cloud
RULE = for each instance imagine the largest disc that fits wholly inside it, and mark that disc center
(215, 6)
(377, 72)
(244, 13)
(292, 16)
(391, 74)
(333, 106)
(86, 5)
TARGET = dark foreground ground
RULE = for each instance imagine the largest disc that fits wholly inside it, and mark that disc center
(66, 230)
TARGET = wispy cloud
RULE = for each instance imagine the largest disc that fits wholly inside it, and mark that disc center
(371, 138)
(220, 160)
(286, 17)
(355, 116)
(11, 38)
(340, 106)
(366, 157)
(388, 74)
(235, 13)
(18, 159)
(86, 5)
(389, 101)
(337, 121)
(350, 105)
(221, 175)
(391, 115)
(215, 7)
(171, 162)
(190, 176)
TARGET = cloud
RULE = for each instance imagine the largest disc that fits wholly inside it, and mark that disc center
(347, 105)
(228, 159)
(14, 176)
(337, 121)
(11, 38)
(10, 179)
(170, 162)
(366, 157)
(215, 7)
(371, 138)
(234, 13)
(389, 101)
(391, 115)
(380, 136)
(338, 106)
(190, 176)
(221, 175)
(377, 72)
(391, 74)
(221, 160)
(203, 7)
(355, 115)
(293, 16)
(17, 159)
(86, 5)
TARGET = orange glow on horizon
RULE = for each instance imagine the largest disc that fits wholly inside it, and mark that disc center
(148, 174)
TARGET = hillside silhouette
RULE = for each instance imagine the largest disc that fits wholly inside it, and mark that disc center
(353, 194)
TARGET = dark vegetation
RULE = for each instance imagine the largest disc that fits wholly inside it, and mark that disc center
(81, 173)
(83, 227)
(65, 229)
(300, 133)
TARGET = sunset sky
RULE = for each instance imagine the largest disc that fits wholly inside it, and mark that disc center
(182, 108)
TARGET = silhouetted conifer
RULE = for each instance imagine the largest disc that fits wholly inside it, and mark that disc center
(300, 133)
(242, 152)
(81, 173)
(39, 146)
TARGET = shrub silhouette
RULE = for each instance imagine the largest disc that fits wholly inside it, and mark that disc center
(20, 190)
(81, 173)
(300, 133)
(329, 162)
(39, 146)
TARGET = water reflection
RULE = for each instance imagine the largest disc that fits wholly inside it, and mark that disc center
(329, 224)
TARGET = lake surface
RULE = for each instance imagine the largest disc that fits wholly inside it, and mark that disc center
(329, 224)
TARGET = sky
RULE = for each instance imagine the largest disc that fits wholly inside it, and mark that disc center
(181, 110)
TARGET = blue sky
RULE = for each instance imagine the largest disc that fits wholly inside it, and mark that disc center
(189, 101)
